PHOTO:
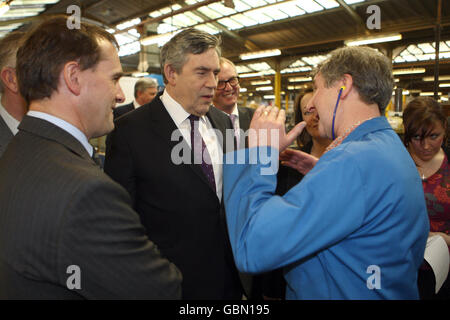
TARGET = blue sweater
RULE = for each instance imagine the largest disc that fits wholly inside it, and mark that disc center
(355, 227)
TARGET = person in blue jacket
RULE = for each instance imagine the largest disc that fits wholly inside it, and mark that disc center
(356, 226)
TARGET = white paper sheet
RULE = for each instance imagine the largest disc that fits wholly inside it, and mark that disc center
(436, 254)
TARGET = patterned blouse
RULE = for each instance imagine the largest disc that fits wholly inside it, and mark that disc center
(437, 196)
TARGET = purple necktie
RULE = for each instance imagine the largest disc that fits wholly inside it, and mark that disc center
(236, 131)
(201, 157)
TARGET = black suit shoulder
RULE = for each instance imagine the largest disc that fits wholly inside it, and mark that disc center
(121, 110)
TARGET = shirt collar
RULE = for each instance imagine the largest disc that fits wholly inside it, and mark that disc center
(66, 126)
(176, 111)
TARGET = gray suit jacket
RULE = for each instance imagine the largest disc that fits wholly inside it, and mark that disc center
(59, 212)
(5, 135)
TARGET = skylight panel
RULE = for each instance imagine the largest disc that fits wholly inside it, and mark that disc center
(309, 5)
(219, 7)
(426, 47)
(328, 4)
(443, 47)
(230, 23)
(15, 13)
(258, 16)
(353, 1)
(243, 69)
(210, 13)
(208, 27)
(425, 57)
(123, 39)
(128, 24)
(244, 20)
(240, 6)
(291, 9)
(314, 60)
(274, 13)
(255, 3)
(399, 59)
(261, 66)
(129, 48)
(165, 28)
(414, 50)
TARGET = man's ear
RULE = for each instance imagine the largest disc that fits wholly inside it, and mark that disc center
(346, 84)
(71, 75)
(170, 74)
(9, 79)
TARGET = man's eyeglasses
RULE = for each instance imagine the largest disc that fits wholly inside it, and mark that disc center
(234, 81)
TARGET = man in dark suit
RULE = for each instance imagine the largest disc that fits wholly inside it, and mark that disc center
(179, 202)
(145, 91)
(225, 99)
(12, 105)
(67, 231)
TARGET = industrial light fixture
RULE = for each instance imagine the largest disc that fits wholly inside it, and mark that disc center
(260, 54)
(444, 85)
(300, 79)
(397, 72)
(371, 40)
(260, 82)
(269, 97)
(441, 78)
(268, 88)
(428, 94)
(248, 75)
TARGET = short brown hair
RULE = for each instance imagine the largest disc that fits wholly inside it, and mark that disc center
(48, 47)
(420, 117)
(8, 50)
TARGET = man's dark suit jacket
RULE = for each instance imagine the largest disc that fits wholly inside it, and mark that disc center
(57, 210)
(5, 135)
(179, 209)
(120, 111)
(245, 117)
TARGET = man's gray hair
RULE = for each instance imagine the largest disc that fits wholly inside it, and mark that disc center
(143, 84)
(371, 72)
(192, 41)
(8, 50)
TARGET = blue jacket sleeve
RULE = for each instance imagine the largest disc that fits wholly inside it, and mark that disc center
(268, 231)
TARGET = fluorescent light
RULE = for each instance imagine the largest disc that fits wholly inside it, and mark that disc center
(243, 90)
(444, 85)
(258, 83)
(364, 41)
(441, 78)
(268, 88)
(248, 75)
(269, 97)
(408, 71)
(260, 54)
(426, 94)
(300, 79)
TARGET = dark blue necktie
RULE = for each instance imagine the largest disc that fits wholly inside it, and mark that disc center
(201, 154)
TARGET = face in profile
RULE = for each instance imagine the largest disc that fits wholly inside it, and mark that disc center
(426, 146)
(310, 116)
(193, 87)
(101, 91)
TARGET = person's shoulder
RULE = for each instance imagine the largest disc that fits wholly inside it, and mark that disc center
(247, 110)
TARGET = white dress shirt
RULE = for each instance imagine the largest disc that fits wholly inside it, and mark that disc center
(66, 126)
(11, 122)
(180, 117)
